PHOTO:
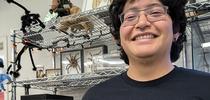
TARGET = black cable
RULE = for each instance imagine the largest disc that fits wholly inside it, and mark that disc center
(12, 1)
(16, 72)
(17, 62)
(32, 60)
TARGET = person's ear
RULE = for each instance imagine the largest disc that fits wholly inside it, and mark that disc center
(176, 29)
(176, 36)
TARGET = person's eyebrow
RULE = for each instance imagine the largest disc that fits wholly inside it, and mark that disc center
(153, 4)
(147, 6)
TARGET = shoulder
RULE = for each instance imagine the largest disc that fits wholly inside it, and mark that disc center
(192, 71)
(193, 74)
(193, 81)
(112, 82)
(102, 88)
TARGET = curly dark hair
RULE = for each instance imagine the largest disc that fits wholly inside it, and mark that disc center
(176, 12)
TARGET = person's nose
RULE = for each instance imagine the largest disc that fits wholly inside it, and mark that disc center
(142, 22)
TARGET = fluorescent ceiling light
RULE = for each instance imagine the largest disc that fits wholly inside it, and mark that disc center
(205, 45)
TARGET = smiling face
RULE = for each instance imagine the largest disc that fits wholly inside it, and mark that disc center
(146, 39)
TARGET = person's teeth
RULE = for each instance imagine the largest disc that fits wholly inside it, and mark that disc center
(147, 36)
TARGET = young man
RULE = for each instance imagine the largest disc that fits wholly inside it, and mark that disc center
(151, 35)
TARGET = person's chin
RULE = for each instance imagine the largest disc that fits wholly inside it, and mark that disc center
(145, 54)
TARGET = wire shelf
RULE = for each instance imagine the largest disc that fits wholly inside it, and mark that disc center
(75, 32)
(72, 80)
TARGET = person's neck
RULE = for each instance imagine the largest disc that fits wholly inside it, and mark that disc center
(147, 71)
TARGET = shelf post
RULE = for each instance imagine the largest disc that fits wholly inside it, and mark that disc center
(14, 54)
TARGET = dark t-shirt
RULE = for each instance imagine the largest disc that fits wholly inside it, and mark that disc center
(179, 84)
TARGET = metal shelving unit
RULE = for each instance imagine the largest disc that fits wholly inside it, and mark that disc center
(199, 31)
(52, 37)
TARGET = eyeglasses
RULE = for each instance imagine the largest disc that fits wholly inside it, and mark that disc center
(153, 14)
